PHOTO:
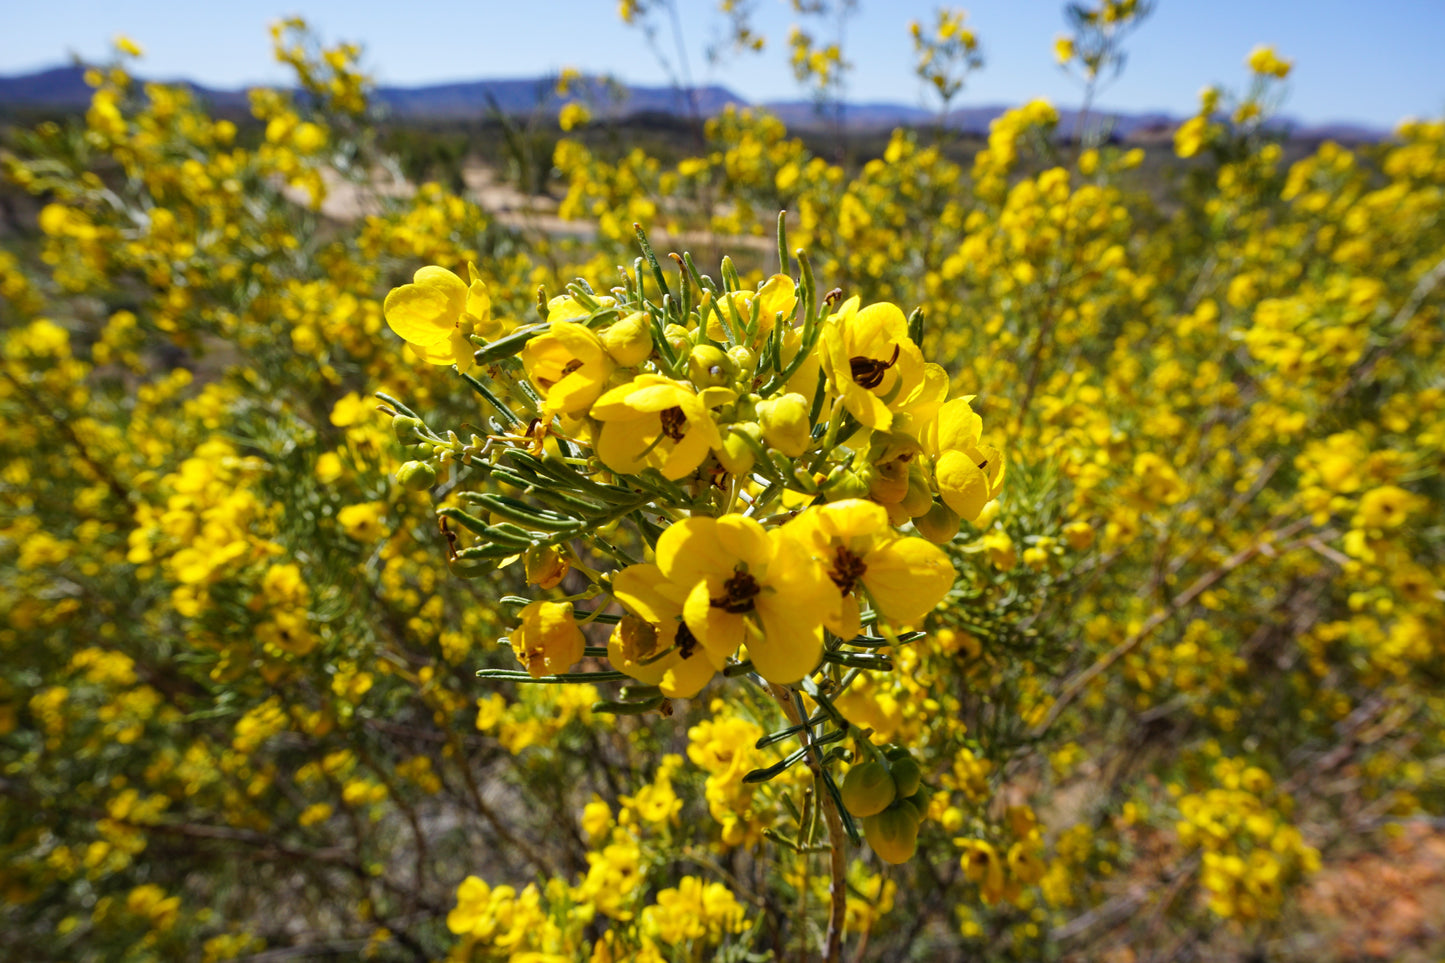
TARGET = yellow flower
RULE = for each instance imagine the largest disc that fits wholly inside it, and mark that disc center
(652, 643)
(363, 522)
(981, 863)
(435, 313)
(1386, 506)
(569, 365)
(548, 641)
(1263, 60)
(870, 361)
(905, 576)
(741, 583)
(573, 115)
(655, 421)
(969, 474)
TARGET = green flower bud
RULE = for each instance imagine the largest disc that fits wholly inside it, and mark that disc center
(679, 337)
(939, 524)
(867, 789)
(893, 833)
(785, 424)
(707, 366)
(629, 341)
(408, 430)
(416, 476)
(845, 482)
(737, 455)
(745, 359)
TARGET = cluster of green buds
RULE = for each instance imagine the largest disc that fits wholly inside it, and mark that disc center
(746, 481)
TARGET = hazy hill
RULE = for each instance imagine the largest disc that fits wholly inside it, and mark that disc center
(64, 87)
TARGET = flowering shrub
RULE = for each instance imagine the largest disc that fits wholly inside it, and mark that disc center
(774, 655)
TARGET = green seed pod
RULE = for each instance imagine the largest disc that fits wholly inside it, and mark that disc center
(893, 833)
(918, 801)
(920, 497)
(939, 524)
(867, 789)
(906, 775)
(416, 476)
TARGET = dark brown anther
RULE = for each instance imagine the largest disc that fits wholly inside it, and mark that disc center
(738, 594)
(674, 423)
(685, 640)
(868, 372)
(846, 571)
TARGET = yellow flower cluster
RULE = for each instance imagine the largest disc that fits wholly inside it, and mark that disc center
(1250, 850)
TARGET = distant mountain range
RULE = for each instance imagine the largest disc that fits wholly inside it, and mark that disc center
(65, 88)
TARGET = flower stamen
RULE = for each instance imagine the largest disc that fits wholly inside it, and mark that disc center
(868, 372)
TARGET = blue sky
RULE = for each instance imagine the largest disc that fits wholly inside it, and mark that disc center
(1366, 62)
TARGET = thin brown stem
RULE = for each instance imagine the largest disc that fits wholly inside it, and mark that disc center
(837, 858)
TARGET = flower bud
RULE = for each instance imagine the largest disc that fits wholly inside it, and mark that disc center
(546, 565)
(679, 337)
(416, 476)
(845, 482)
(745, 359)
(707, 366)
(408, 430)
(1079, 535)
(785, 424)
(939, 524)
(737, 455)
(629, 341)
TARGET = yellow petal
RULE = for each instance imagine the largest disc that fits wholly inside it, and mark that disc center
(907, 578)
(427, 310)
(962, 484)
(686, 677)
(744, 539)
(719, 632)
(636, 588)
(791, 642)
